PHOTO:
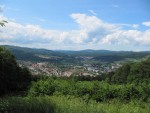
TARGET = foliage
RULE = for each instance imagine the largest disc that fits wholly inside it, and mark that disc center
(127, 90)
(78, 105)
(132, 73)
(121, 74)
(12, 77)
(95, 90)
(3, 22)
(42, 88)
(26, 105)
(68, 104)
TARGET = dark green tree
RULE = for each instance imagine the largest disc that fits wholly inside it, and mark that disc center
(12, 77)
(140, 72)
(121, 74)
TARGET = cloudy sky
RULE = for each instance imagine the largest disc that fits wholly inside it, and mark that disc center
(76, 24)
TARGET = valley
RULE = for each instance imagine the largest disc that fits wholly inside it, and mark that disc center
(78, 63)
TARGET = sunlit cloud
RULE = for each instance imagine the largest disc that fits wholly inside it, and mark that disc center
(146, 23)
(92, 31)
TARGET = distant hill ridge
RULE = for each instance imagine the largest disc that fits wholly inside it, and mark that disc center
(32, 54)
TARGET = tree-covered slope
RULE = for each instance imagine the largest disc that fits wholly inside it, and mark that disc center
(59, 56)
(132, 72)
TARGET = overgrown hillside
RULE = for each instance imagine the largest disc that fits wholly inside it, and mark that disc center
(127, 88)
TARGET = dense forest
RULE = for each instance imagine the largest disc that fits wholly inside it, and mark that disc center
(127, 88)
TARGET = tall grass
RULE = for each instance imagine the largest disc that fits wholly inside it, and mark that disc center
(26, 105)
(69, 104)
(78, 105)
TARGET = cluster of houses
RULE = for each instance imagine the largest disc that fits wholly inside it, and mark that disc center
(51, 69)
(102, 68)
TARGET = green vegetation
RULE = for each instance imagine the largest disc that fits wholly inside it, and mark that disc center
(125, 91)
(78, 105)
(26, 105)
(12, 77)
(74, 57)
(95, 90)
(68, 104)
(132, 73)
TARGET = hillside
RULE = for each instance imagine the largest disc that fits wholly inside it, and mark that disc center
(31, 54)
(128, 88)
(59, 56)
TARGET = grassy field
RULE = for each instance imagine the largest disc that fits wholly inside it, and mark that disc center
(68, 104)
(77, 105)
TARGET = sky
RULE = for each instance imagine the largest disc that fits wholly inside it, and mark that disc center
(76, 24)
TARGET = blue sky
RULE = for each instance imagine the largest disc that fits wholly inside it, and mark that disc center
(77, 24)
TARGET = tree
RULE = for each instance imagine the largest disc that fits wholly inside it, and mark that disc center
(12, 77)
(140, 72)
(121, 74)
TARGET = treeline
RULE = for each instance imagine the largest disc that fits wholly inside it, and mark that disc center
(12, 77)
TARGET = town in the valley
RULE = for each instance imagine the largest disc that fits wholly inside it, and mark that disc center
(47, 68)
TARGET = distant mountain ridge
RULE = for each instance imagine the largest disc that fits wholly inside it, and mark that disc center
(27, 54)
(32, 54)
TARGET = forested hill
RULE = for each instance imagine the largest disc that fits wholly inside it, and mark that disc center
(32, 54)
(138, 72)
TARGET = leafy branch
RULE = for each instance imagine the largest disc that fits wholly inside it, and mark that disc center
(3, 22)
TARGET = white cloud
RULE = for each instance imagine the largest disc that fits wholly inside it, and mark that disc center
(92, 31)
(93, 12)
(91, 23)
(86, 22)
(135, 26)
(132, 37)
(114, 5)
(146, 23)
(1, 8)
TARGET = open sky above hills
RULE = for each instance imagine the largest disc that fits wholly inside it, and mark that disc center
(76, 24)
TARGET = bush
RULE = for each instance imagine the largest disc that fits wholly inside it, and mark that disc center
(99, 91)
(42, 87)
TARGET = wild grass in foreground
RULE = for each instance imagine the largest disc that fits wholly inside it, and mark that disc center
(69, 104)
(26, 105)
(78, 105)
